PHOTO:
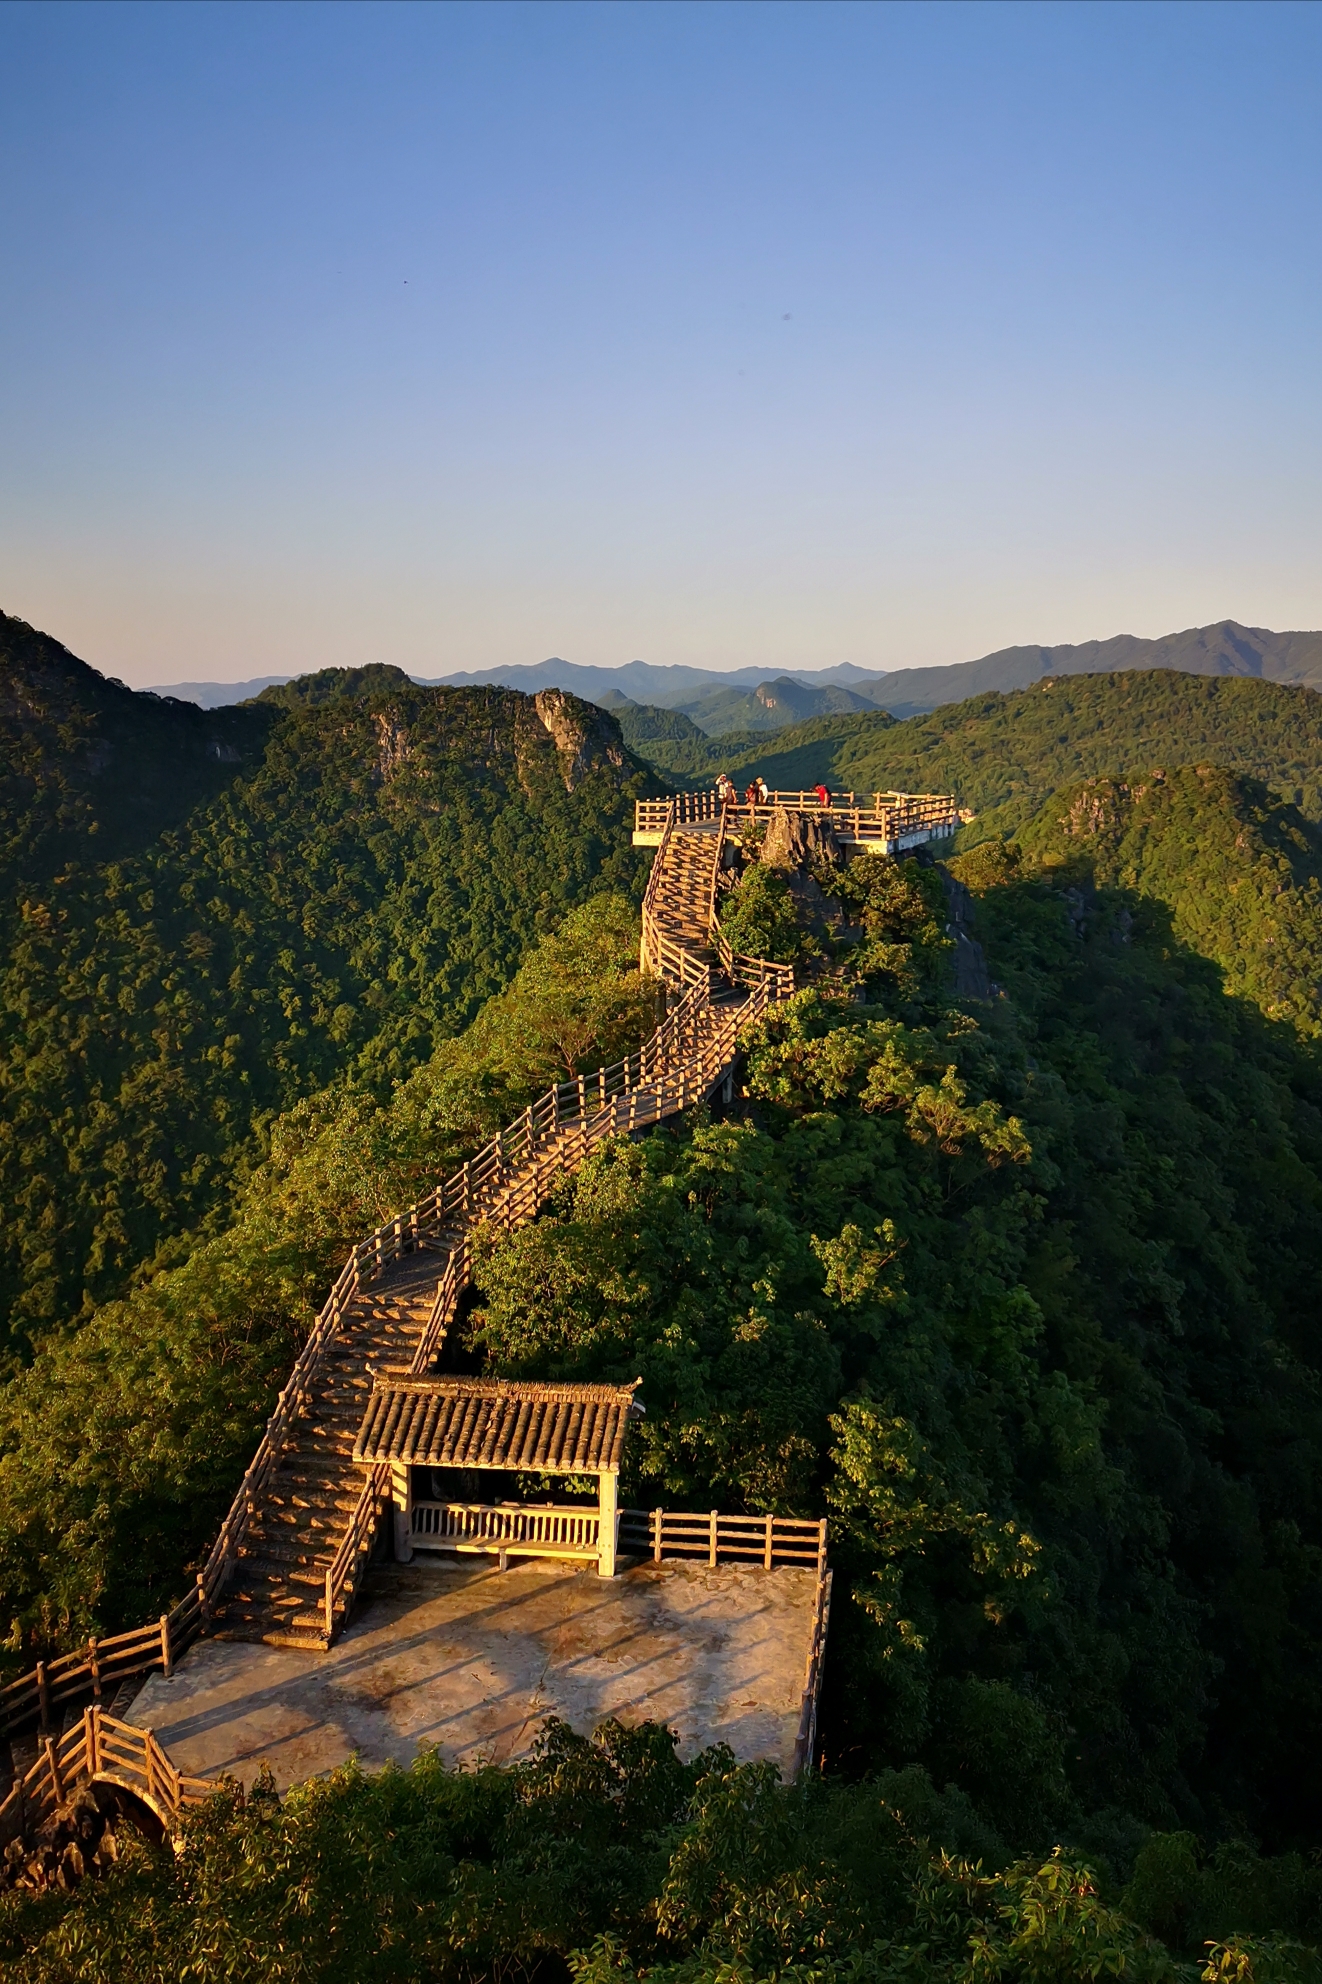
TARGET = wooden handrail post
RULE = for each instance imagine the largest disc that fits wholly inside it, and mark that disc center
(94, 1663)
(43, 1695)
(766, 1552)
(656, 1536)
(53, 1766)
(203, 1603)
(92, 1739)
(711, 1546)
(167, 1665)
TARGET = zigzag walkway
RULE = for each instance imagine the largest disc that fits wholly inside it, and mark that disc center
(289, 1558)
(287, 1561)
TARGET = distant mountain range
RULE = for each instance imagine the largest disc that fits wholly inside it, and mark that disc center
(749, 699)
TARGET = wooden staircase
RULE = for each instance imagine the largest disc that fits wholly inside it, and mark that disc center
(686, 879)
(276, 1589)
(287, 1563)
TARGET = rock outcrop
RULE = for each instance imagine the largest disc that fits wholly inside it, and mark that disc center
(583, 735)
(799, 840)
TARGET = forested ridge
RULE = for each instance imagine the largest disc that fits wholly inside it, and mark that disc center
(1003, 754)
(1018, 1290)
(367, 866)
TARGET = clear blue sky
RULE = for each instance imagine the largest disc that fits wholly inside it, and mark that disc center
(471, 334)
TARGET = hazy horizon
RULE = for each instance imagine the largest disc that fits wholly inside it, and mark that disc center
(774, 336)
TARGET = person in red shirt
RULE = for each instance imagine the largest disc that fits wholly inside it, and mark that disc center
(823, 796)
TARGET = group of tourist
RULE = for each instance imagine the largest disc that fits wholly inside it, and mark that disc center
(757, 793)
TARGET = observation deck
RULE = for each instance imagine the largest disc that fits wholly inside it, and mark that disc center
(879, 822)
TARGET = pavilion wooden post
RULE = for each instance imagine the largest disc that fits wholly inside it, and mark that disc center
(608, 1483)
(401, 1494)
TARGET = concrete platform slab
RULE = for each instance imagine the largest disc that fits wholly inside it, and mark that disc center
(473, 1659)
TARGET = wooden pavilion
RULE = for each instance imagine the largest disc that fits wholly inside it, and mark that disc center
(458, 1427)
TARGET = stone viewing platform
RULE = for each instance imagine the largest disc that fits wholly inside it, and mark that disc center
(472, 1659)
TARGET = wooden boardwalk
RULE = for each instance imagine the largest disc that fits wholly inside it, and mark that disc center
(294, 1546)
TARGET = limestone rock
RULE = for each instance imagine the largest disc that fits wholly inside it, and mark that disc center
(799, 840)
(582, 734)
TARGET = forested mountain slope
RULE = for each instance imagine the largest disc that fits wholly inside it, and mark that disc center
(1002, 755)
(778, 701)
(92, 771)
(1226, 648)
(1237, 868)
(369, 866)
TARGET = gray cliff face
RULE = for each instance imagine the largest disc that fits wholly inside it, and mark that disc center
(584, 736)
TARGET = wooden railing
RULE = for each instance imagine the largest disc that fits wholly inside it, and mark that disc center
(350, 1560)
(713, 1538)
(508, 1182)
(40, 1698)
(686, 809)
(778, 978)
(888, 818)
(99, 1749)
(805, 1744)
(506, 1530)
(278, 1433)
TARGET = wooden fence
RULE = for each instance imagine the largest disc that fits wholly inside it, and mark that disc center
(685, 809)
(277, 1436)
(41, 1698)
(664, 1535)
(712, 1538)
(779, 979)
(99, 1749)
(507, 1183)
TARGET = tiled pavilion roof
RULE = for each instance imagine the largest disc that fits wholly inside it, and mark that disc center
(497, 1423)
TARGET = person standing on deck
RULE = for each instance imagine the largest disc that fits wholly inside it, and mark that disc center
(823, 795)
(725, 791)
